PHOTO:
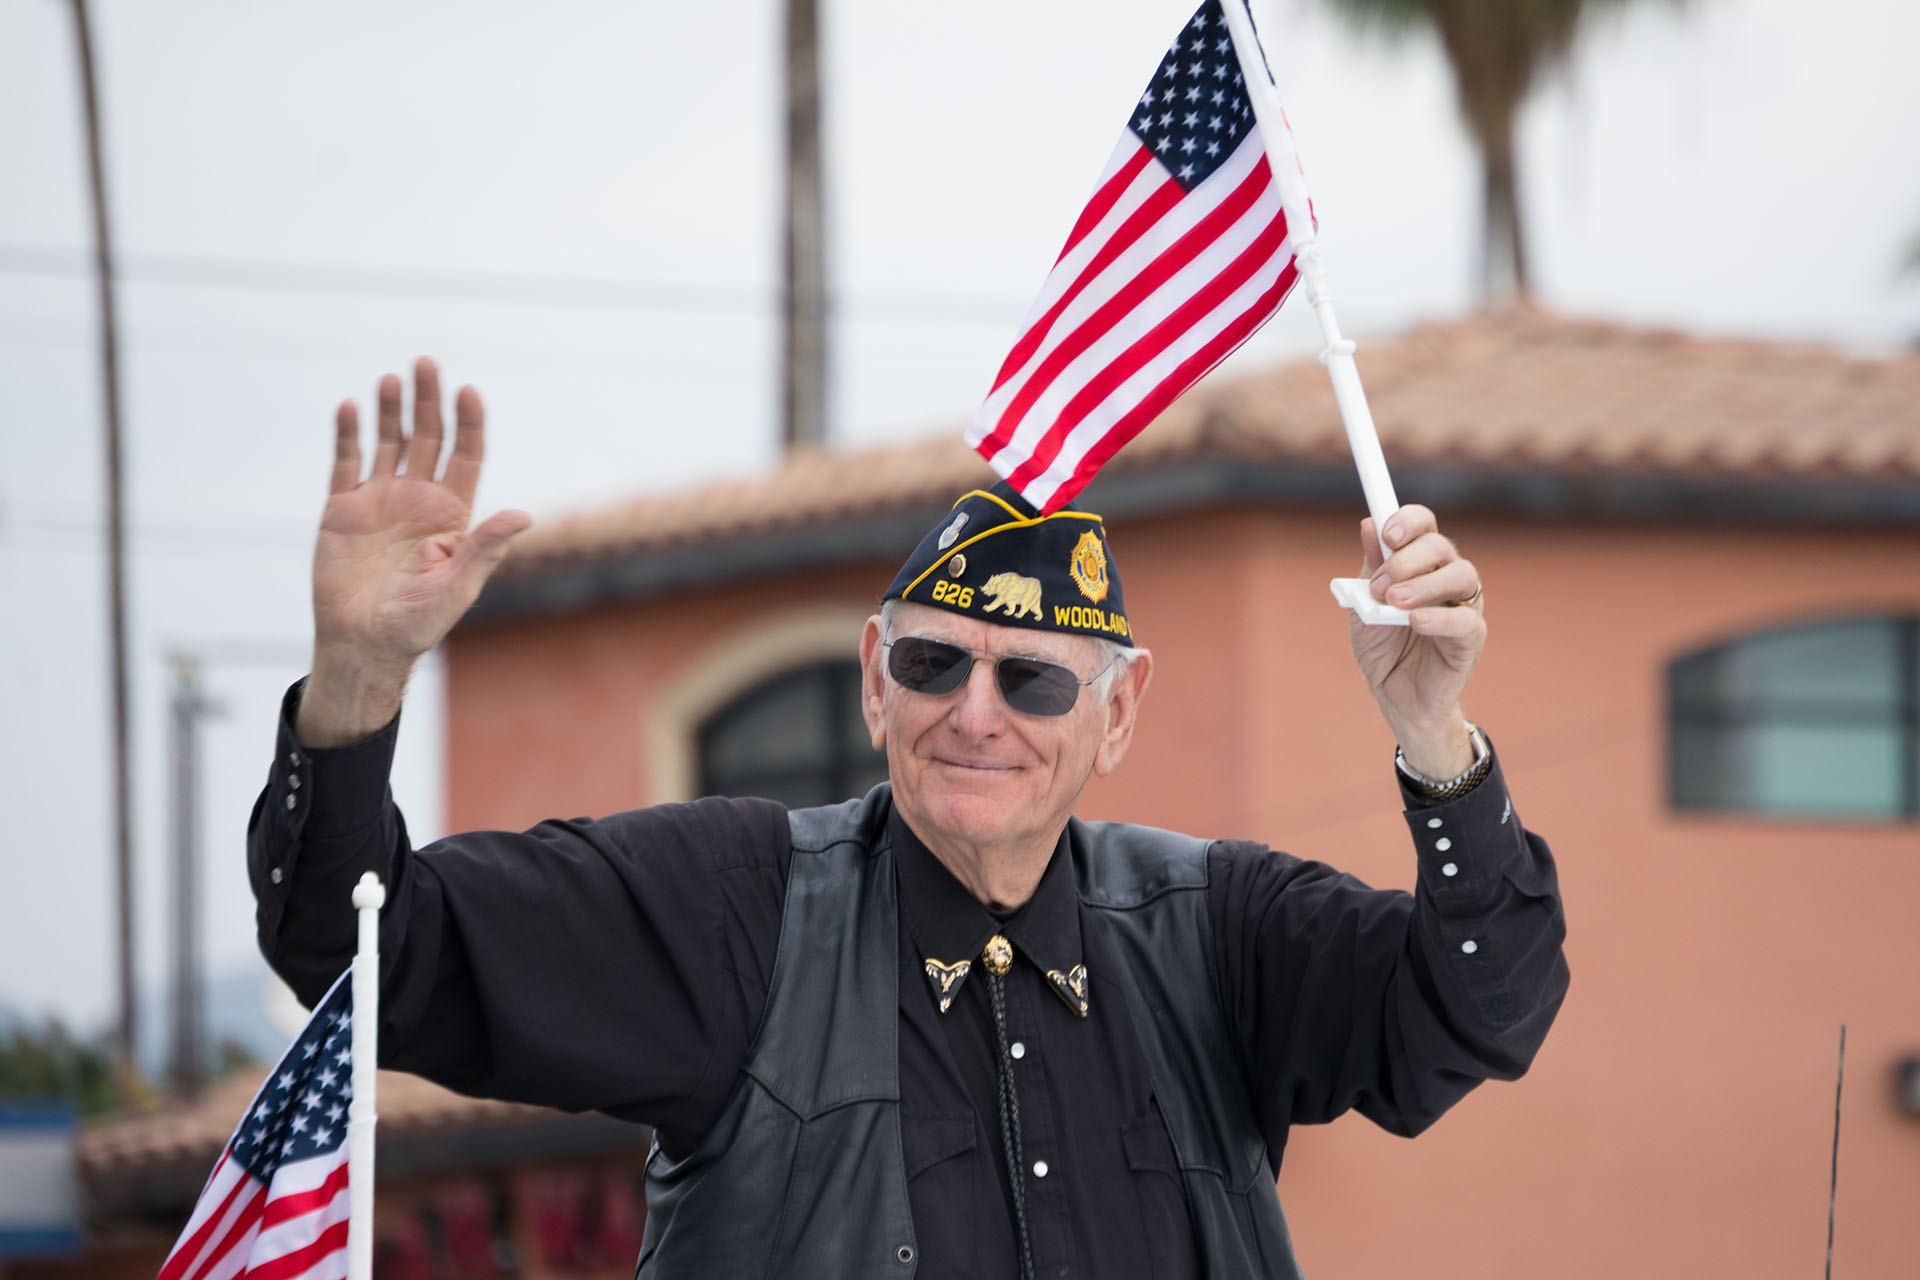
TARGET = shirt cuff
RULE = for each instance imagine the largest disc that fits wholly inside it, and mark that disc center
(328, 791)
(1465, 843)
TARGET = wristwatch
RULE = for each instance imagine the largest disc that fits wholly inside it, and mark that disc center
(1451, 788)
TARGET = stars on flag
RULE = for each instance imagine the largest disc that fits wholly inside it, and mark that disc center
(285, 1121)
(1199, 71)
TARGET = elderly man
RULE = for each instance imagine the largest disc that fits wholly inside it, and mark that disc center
(946, 1029)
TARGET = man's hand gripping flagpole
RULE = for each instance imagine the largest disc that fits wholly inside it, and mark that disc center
(368, 897)
(1352, 593)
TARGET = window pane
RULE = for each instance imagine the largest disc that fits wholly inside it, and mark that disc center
(794, 790)
(1814, 770)
(779, 725)
(863, 766)
(1696, 686)
(798, 739)
(854, 738)
(1816, 720)
(1827, 668)
(1707, 772)
(866, 775)
(1811, 770)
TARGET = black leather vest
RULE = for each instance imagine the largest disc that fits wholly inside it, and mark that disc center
(805, 1175)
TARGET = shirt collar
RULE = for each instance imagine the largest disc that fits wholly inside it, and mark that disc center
(951, 928)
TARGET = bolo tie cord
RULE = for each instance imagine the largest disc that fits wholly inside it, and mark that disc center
(1010, 1122)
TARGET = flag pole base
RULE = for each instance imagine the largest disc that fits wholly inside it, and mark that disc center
(1357, 594)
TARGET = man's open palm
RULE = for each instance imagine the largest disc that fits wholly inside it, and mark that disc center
(395, 565)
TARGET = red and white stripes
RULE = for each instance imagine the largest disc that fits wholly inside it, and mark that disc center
(1155, 287)
(244, 1229)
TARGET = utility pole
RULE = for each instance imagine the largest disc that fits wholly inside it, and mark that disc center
(187, 1068)
(116, 544)
(804, 295)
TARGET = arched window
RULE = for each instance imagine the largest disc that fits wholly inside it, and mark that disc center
(797, 737)
(1821, 719)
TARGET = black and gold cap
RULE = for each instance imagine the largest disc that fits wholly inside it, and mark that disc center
(993, 557)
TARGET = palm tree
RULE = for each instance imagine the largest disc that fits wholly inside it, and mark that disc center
(1496, 49)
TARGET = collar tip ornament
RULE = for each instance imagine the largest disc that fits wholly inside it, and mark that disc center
(946, 980)
(1071, 987)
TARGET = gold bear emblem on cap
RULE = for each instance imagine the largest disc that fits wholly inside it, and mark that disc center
(1016, 594)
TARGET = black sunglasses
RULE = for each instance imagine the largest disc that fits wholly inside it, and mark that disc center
(1030, 686)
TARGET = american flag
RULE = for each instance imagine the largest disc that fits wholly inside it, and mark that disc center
(1179, 257)
(275, 1207)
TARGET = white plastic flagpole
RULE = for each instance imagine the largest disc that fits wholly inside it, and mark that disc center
(1337, 356)
(368, 897)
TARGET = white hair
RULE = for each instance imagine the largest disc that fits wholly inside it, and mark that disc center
(1114, 656)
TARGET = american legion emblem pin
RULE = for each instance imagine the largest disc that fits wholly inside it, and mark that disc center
(1088, 566)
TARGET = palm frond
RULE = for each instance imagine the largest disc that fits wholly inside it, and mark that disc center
(1390, 18)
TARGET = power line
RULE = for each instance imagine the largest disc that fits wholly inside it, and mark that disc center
(242, 652)
(499, 288)
(348, 280)
(331, 345)
(646, 363)
(86, 536)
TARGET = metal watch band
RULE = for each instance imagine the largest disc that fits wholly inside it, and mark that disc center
(1452, 788)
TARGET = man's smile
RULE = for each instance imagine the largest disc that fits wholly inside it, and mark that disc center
(976, 766)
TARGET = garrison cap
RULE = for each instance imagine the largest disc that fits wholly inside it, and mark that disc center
(993, 557)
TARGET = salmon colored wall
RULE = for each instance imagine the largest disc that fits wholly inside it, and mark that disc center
(548, 719)
(1679, 1119)
(1180, 591)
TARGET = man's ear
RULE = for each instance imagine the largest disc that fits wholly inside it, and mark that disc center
(1123, 706)
(873, 683)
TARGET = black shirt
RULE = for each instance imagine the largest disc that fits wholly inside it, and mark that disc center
(622, 966)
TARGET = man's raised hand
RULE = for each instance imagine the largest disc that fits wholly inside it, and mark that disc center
(1418, 672)
(395, 564)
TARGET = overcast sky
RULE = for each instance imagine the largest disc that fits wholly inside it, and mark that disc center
(573, 206)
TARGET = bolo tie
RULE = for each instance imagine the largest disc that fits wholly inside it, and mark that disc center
(998, 955)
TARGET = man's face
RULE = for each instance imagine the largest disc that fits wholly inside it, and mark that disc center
(968, 770)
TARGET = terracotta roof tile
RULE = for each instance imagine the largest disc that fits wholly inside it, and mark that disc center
(198, 1131)
(1515, 389)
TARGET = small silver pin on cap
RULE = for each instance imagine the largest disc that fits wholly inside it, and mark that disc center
(951, 534)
